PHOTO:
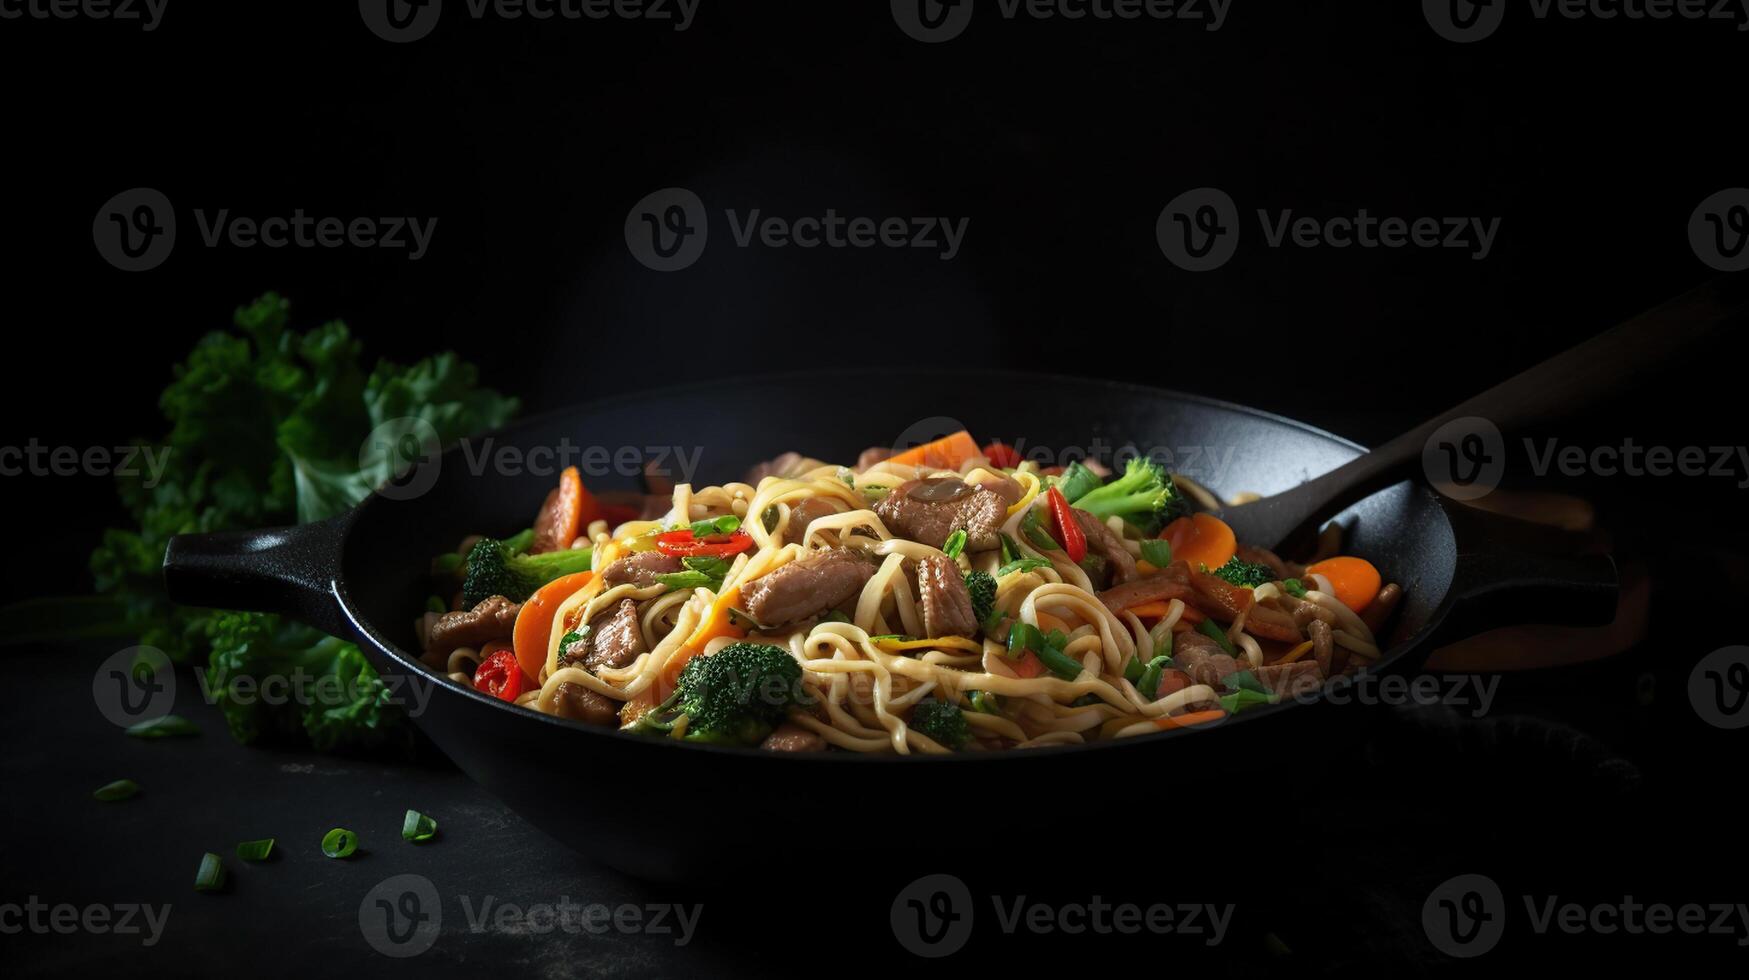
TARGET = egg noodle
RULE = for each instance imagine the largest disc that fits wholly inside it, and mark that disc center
(865, 675)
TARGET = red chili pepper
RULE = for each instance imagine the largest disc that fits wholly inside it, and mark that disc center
(1069, 533)
(681, 544)
(500, 676)
(1002, 456)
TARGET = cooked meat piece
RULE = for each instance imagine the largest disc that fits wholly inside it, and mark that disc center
(578, 703)
(493, 619)
(806, 587)
(787, 465)
(546, 533)
(873, 455)
(1378, 612)
(1151, 588)
(947, 606)
(615, 638)
(930, 511)
(1323, 647)
(805, 512)
(1290, 680)
(1221, 600)
(1006, 487)
(640, 568)
(793, 738)
(1202, 658)
(1303, 611)
(1103, 542)
(1263, 556)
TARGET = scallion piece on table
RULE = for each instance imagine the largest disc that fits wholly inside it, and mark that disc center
(121, 789)
(163, 727)
(211, 876)
(418, 827)
(255, 850)
(339, 843)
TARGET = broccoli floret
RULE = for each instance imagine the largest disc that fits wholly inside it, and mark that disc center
(1244, 572)
(1143, 496)
(982, 588)
(494, 570)
(732, 697)
(943, 722)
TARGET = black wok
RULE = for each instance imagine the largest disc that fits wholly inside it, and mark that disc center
(632, 801)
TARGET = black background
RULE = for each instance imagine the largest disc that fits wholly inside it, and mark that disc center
(1592, 142)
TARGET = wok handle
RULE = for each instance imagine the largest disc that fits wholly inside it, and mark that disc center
(1511, 573)
(288, 570)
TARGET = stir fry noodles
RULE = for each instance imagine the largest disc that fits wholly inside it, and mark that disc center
(946, 598)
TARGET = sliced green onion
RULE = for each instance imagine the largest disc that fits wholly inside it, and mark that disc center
(1035, 534)
(121, 789)
(418, 827)
(211, 876)
(1156, 552)
(166, 726)
(1059, 663)
(727, 524)
(1245, 680)
(984, 702)
(1293, 587)
(1208, 628)
(1133, 670)
(676, 581)
(1076, 482)
(255, 850)
(1149, 686)
(833, 616)
(956, 543)
(1240, 700)
(1022, 565)
(339, 843)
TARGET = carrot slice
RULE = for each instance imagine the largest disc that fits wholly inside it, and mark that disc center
(714, 624)
(1189, 719)
(946, 453)
(1028, 665)
(1150, 610)
(1201, 539)
(533, 632)
(1355, 580)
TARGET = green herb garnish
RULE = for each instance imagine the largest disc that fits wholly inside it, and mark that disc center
(211, 875)
(418, 827)
(255, 851)
(121, 789)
